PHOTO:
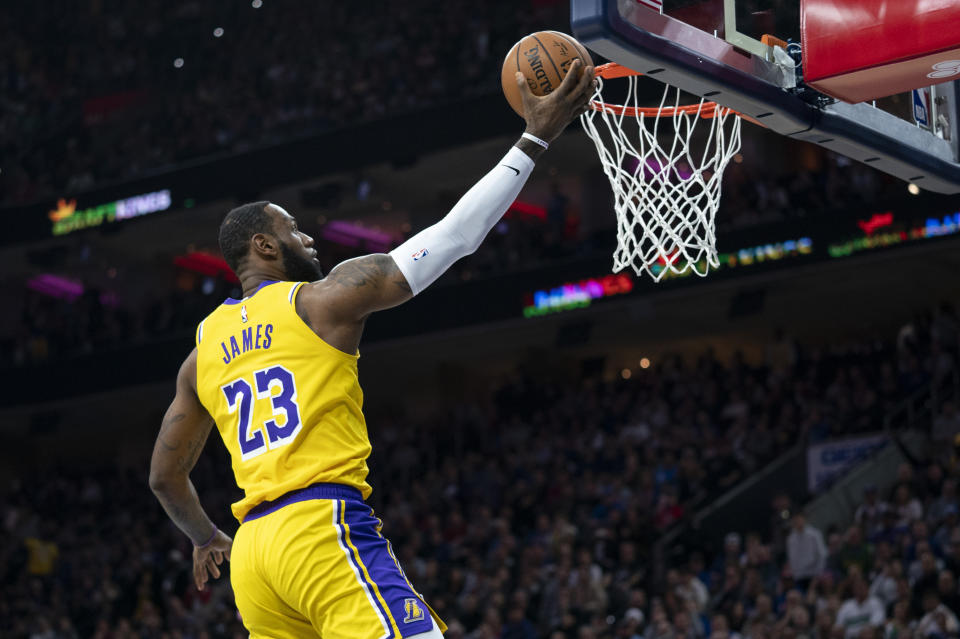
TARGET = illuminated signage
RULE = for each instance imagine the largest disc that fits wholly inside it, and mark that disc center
(773, 252)
(569, 296)
(933, 227)
(877, 221)
(66, 218)
(525, 208)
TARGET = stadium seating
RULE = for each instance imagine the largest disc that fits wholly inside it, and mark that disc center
(540, 519)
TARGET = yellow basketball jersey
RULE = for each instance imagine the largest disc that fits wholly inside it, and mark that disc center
(287, 404)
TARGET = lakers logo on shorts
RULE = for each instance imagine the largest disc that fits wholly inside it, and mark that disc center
(414, 612)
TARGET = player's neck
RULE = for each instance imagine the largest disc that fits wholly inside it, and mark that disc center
(251, 281)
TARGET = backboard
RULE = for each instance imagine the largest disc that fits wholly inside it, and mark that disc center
(716, 49)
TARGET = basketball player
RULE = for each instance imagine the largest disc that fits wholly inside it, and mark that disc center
(276, 372)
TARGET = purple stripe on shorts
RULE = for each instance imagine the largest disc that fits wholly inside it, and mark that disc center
(406, 606)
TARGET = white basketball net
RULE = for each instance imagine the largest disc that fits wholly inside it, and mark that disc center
(666, 194)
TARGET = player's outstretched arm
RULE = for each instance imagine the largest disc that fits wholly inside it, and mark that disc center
(360, 286)
(183, 433)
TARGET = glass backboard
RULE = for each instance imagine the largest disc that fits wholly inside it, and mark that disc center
(714, 48)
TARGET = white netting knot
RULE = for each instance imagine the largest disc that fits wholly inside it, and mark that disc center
(666, 195)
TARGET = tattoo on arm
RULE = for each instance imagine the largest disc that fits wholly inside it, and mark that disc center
(187, 461)
(183, 433)
(401, 281)
(177, 514)
(169, 421)
(372, 270)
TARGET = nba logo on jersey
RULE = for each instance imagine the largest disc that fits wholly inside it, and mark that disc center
(243, 313)
(414, 612)
(422, 253)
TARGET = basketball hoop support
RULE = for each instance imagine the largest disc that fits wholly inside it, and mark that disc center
(704, 65)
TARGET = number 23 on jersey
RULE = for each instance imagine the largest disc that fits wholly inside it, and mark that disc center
(274, 383)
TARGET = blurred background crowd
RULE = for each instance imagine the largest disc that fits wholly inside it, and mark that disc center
(531, 512)
(124, 89)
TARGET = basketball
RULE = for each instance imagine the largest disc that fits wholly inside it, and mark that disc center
(543, 58)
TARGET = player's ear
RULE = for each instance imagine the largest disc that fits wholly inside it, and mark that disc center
(265, 245)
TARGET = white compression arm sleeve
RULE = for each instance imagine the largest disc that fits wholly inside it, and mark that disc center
(425, 256)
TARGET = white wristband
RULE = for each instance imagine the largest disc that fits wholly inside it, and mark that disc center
(534, 138)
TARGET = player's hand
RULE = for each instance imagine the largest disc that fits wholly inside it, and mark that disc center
(549, 115)
(206, 560)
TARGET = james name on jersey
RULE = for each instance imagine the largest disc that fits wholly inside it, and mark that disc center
(249, 339)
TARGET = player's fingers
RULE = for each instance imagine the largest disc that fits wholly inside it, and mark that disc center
(570, 80)
(227, 553)
(212, 567)
(581, 103)
(585, 84)
(584, 96)
(217, 556)
(521, 81)
(199, 575)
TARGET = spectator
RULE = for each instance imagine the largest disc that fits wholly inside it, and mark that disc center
(944, 504)
(947, 590)
(730, 555)
(720, 628)
(884, 584)
(899, 626)
(823, 626)
(855, 551)
(730, 594)
(924, 573)
(686, 627)
(762, 619)
(659, 627)
(860, 611)
(691, 589)
(939, 621)
(806, 552)
(795, 623)
(668, 510)
(869, 514)
(518, 626)
(42, 556)
(907, 507)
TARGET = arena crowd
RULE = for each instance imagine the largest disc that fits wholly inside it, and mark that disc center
(531, 511)
(102, 99)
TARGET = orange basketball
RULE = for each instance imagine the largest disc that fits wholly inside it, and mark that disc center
(543, 58)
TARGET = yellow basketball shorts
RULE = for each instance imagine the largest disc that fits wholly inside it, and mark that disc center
(314, 563)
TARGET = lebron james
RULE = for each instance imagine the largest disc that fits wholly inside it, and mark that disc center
(276, 373)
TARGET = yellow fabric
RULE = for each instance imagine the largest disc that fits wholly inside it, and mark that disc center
(263, 333)
(41, 556)
(309, 584)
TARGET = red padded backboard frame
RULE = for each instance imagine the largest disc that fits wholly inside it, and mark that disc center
(860, 50)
